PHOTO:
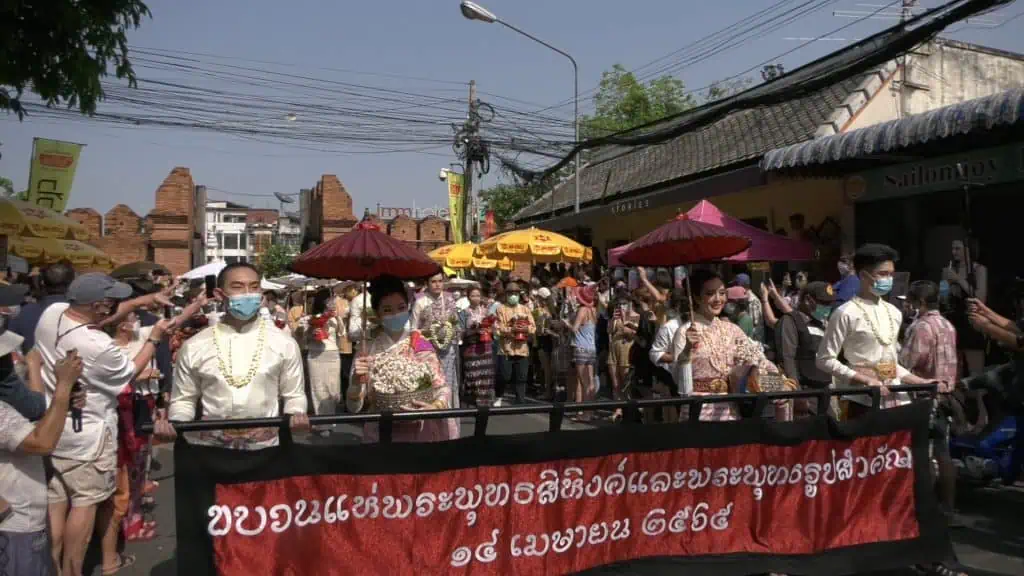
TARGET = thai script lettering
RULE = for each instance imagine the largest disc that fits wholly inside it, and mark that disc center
(568, 485)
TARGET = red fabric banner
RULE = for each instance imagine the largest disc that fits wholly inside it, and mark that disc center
(567, 515)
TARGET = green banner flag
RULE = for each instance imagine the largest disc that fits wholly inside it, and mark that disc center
(52, 172)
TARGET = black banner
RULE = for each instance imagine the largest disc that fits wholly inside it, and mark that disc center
(811, 497)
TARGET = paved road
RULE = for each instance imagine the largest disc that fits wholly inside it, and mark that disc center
(992, 542)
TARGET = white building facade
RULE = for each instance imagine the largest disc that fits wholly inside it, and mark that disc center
(226, 232)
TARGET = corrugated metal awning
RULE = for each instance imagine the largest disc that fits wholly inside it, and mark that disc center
(1002, 109)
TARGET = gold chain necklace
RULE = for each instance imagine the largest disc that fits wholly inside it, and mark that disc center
(254, 363)
(894, 329)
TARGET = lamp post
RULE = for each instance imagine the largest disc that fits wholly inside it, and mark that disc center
(474, 11)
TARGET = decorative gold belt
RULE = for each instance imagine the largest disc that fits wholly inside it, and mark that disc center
(884, 371)
(711, 386)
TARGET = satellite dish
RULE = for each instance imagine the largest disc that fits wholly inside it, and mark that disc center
(285, 199)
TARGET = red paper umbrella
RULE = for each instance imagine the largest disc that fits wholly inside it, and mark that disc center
(364, 253)
(684, 241)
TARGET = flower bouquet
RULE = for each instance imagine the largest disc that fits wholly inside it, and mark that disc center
(318, 324)
(486, 329)
(520, 328)
(397, 380)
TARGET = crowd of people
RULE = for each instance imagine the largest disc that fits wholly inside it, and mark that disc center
(84, 358)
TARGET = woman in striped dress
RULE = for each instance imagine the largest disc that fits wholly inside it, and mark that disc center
(477, 353)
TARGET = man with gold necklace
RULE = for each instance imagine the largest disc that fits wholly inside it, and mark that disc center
(240, 367)
(865, 331)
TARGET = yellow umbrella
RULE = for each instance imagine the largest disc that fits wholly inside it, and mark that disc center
(454, 256)
(19, 218)
(50, 250)
(466, 255)
(533, 245)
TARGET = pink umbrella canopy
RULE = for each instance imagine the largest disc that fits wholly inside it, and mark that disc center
(364, 253)
(683, 241)
(764, 247)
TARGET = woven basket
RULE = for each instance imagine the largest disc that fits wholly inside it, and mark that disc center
(396, 400)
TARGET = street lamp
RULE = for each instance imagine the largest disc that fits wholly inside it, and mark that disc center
(474, 11)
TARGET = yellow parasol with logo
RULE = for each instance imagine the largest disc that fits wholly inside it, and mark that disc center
(50, 250)
(18, 218)
(467, 255)
(534, 245)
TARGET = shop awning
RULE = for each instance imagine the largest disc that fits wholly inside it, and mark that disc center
(978, 115)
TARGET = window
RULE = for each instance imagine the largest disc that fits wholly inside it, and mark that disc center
(230, 242)
(231, 259)
(241, 241)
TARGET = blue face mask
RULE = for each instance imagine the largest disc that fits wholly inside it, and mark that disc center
(244, 306)
(396, 322)
(513, 300)
(821, 313)
(882, 286)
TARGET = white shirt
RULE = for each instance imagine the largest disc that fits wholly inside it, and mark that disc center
(107, 371)
(851, 330)
(198, 377)
(22, 477)
(356, 309)
(681, 371)
(663, 343)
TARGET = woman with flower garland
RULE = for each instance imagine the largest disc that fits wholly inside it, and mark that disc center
(719, 354)
(435, 316)
(399, 364)
(322, 331)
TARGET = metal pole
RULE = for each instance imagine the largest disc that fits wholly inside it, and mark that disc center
(575, 109)
(467, 178)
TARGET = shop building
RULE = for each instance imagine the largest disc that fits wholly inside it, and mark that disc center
(626, 192)
(921, 182)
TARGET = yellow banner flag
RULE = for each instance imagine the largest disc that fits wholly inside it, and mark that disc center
(52, 172)
(455, 204)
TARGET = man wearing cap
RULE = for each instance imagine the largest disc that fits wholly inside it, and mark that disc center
(799, 335)
(753, 307)
(85, 460)
(23, 533)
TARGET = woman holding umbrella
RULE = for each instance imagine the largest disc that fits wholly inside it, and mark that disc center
(719, 354)
(399, 363)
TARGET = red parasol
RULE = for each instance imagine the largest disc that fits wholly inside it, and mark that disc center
(684, 241)
(364, 253)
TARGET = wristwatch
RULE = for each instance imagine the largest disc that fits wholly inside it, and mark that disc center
(153, 341)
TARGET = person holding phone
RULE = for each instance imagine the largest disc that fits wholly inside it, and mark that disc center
(85, 459)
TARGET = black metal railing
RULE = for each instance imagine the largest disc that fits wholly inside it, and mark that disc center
(556, 410)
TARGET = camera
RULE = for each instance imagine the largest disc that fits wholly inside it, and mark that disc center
(443, 174)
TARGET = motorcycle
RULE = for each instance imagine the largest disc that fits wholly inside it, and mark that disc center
(981, 460)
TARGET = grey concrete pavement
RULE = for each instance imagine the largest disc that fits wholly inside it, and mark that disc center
(991, 542)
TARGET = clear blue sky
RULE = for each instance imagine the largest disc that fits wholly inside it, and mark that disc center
(426, 39)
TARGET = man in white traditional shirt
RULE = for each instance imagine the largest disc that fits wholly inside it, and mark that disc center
(865, 331)
(359, 304)
(241, 367)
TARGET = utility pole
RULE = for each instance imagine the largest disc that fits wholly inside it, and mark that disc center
(469, 219)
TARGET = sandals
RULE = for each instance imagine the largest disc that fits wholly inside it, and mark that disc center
(123, 561)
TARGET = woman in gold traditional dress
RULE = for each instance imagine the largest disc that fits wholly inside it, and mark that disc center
(720, 356)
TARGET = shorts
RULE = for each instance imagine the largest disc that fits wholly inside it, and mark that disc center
(26, 553)
(85, 483)
(584, 357)
(618, 353)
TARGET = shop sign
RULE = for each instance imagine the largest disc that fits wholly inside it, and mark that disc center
(981, 167)
(628, 206)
